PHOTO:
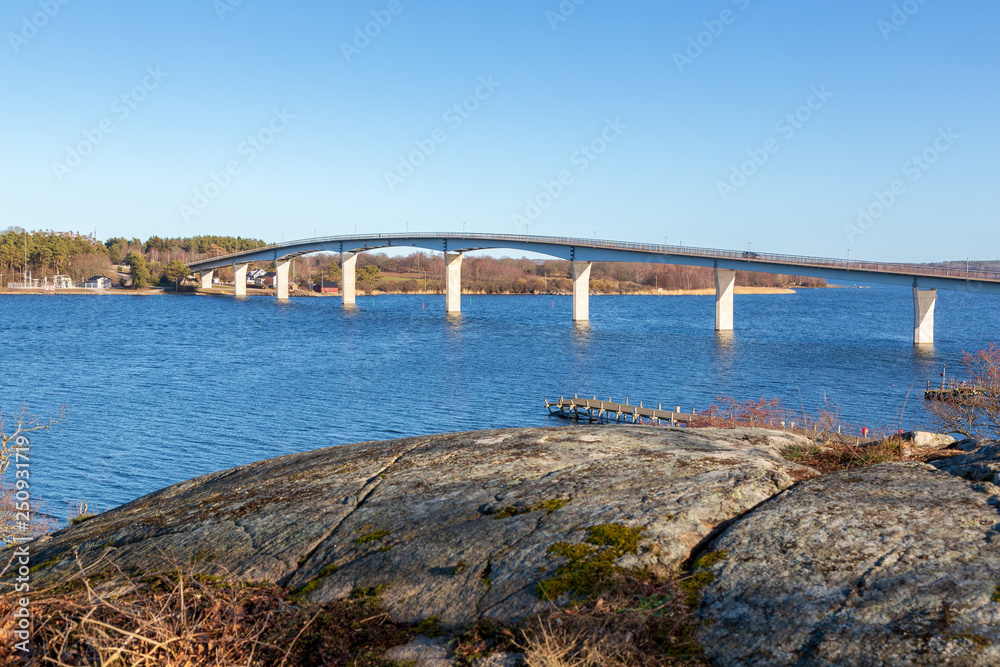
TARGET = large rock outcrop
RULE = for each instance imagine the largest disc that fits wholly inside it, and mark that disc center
(455, 526)
(980, 464)
(896, 564)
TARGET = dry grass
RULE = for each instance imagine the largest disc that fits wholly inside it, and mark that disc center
(641, 620)
(838, 445)
(178, 618)
(825, 425)
(835, 456)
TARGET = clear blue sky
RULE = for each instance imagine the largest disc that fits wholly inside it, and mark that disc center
(679, 127)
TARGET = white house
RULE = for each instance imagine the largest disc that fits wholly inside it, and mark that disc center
(98, 282)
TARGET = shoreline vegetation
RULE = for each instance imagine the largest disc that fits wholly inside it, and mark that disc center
(226, 290)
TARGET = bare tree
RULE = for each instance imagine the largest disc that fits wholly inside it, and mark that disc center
(972, 408)
(20, 518)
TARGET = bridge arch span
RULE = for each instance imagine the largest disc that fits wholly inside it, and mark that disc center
(582, 253)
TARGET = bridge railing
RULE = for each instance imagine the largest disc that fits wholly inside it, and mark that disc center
(750, 257)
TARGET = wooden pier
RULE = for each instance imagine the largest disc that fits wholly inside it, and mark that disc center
(953, 392)
(607, 412)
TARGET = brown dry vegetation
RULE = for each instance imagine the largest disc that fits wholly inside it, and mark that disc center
(639, 620)
(839, 445)
(177, 617)
(488, 275)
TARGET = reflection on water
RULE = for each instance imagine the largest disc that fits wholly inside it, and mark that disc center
(725, 342)
(162, 389)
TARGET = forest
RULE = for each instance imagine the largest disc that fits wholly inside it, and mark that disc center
(81, 256)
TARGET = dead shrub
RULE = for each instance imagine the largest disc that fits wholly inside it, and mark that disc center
(179, 617)
(973, 407)
(642, 620)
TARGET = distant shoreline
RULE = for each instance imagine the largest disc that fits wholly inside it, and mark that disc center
(708, 291)
(75, 292)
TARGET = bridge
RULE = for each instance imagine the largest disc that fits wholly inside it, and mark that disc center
(582, 253)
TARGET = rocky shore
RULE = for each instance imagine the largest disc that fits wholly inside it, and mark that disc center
(892, 564)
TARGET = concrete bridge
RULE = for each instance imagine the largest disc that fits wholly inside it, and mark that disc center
(582, 253)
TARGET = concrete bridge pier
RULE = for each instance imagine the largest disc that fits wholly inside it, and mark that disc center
(725, 285)
(923, 315)
(348, 278)
(240, 279)
(453, 282)
(205, 278)
(281, 269)
(581, 291)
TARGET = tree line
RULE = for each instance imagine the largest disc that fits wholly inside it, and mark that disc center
(81, 256)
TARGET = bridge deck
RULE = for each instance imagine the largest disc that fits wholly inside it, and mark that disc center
(601, 250)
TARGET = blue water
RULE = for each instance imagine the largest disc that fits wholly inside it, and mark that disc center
(160, 389)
